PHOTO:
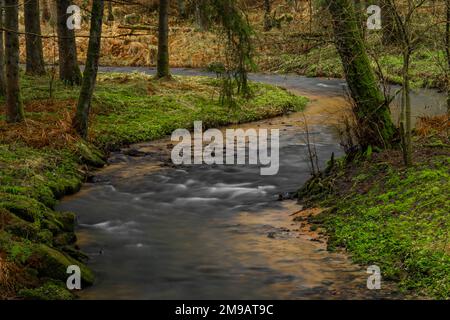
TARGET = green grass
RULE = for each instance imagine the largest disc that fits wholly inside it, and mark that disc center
(41, 160)
(325, 62)
(398, 219)
(138, 116)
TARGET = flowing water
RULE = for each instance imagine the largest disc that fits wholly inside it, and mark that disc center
(154, 231)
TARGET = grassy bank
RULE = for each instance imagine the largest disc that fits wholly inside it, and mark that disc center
(426, 65)
(395, 217)
(41, 160)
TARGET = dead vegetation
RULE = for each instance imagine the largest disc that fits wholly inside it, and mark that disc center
(134, 42)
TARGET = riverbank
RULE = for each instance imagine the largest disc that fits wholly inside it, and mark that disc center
(425, 71)
(387, 215)
(41, 160)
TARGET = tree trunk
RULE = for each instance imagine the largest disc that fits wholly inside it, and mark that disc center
(181, 9)
(110, 12)
(361, 16)
(14, 107)
(81, 120)
(406, 109)
(35, 57)
(268, 23)
(372, 111)
(2, 52)
(46, 15)
(163, 40)
(200, 18)
(447, 51)
(69, 71)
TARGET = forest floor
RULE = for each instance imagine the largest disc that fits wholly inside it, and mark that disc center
(42, 159)
(385, 214)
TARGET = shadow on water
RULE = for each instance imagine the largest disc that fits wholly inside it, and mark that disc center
(214, 232)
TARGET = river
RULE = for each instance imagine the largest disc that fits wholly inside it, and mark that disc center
(155, 231)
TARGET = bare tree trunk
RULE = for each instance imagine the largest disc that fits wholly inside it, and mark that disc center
(372, 111)
(110, 11)
(406, 109)
(447, 51)
(69, 71)
(200, 18)
(81, 120)
(163, 40)
(360, 14)
(14, 107)
(2, 52)
(35, 57)
(403, 25)
(268, 23)
(46, 15)
(181, 8)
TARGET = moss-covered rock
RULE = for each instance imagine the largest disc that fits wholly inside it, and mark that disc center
(89, 154)
(52, 263)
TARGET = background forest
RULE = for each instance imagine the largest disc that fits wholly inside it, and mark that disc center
(65, 109)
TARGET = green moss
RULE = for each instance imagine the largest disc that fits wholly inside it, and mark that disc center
(401, 224)
(53, 264)
(49, 291)
(137, 113)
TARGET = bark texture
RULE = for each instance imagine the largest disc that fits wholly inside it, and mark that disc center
(163, 40)
(81, 120)
(14, 107)
(35, 57)
(69, 71)
(372, 111)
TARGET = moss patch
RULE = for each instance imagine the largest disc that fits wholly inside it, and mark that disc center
(393, 217)
(49, 291)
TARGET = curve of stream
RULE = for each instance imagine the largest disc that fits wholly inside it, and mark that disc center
(154, 231)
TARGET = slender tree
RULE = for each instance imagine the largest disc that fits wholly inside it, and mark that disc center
(110, 11)
(201, 14)
(34, 55)
(409, 40)
(447, 51)
(46, 15)
(2, 52)
(181, 8)
(163, 40)
(268, 23)
(360, 15)
(69, 71)
(372, 111)
(81, 120)
(14, 107)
